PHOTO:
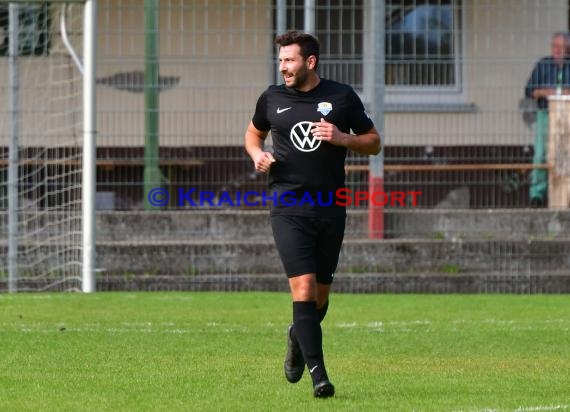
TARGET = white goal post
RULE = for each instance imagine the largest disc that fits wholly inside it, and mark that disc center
(89, 145)
(47, 144)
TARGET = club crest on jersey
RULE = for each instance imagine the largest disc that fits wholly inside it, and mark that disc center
(324, 108)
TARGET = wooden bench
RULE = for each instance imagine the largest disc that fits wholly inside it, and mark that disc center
(450, 167)
(105, 163)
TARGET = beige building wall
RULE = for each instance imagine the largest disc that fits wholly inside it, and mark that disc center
(219, 51)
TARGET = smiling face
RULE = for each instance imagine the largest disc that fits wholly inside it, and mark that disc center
(297, 72)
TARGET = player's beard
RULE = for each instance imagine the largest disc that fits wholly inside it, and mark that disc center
(300, 78)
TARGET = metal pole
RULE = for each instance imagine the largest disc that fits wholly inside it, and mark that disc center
(14, 148)
(376, 163)
(89, 145)
(152, 174)
(309, 17)
(281, 16)
(281, 11)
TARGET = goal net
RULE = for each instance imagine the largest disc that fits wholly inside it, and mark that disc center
(41, 142)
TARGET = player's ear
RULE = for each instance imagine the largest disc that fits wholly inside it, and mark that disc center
(311, 62)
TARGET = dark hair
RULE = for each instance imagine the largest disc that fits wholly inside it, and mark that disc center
(309, 44)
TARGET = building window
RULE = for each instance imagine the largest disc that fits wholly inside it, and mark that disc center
(422, 44)
(34, 25)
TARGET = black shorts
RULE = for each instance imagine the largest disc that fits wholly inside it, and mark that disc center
(309, 244)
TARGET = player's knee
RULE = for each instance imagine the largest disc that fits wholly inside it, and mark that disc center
(304, 294)
(303, 288)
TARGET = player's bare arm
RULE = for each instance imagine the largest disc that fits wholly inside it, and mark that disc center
(367, 143)
(254, 141)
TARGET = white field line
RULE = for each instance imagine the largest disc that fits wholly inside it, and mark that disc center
(379, 325)
(538, 408)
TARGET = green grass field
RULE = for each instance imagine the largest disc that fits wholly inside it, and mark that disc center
(224, 351)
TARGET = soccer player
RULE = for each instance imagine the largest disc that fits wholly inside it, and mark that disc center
(313, 121)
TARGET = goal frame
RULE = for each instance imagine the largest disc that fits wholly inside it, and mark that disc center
(88, 69)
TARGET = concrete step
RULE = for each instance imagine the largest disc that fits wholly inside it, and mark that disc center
(204, 257)
(415, 223)
(450, 242)
(490, 282)
(439, 224)
(191, 258)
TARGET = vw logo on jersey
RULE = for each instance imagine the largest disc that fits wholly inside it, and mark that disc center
(324, 108)
(302, 137)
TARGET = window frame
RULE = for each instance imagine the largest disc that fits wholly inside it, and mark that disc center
(426, 95)
(413, 98)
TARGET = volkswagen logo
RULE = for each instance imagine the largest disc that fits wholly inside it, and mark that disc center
(302, 137)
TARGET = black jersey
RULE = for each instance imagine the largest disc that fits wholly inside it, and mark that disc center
(306, 168)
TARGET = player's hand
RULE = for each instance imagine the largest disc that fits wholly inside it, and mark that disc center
(263, 162)
(328, 132)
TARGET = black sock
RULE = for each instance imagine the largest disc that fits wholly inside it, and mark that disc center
(322, 312)
(310, 337)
